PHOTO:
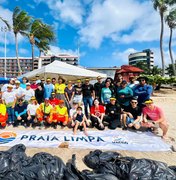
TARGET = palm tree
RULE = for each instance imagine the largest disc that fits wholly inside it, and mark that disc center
(21, 24)
(6, 23)
(162, 6)
(171, 21)
(41, 35)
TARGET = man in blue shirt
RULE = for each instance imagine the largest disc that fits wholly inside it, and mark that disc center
(48, 88)
(143, 90)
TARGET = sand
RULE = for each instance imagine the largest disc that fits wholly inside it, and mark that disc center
(165, 99)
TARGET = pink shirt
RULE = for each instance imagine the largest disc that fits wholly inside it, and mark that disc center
(153, 114)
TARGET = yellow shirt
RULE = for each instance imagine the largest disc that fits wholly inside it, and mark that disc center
(2, 109)
(47, 109)
(60, 88)
(62, 111)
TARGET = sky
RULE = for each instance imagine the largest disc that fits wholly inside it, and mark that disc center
(106, 31)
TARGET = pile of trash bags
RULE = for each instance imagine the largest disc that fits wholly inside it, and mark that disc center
(16, 165)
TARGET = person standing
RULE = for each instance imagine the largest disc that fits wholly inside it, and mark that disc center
(39, 93)
(106, 93)
(124, 94)
(88, 95)
(34, 84)
(19, 91)
(5, 86)
(143, 91)
(28, 92)
(97, 88)
(9, 99)
(48, 88)
(69, 94)
(24, 81)
(78, 97)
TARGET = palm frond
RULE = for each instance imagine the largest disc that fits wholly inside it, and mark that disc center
(6, 23)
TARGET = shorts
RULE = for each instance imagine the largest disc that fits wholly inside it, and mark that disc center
(131, 120)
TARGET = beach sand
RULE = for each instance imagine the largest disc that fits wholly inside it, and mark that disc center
(166, 99)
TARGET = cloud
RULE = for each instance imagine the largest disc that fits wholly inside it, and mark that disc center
(68, 11)
(31, 6)
(2, 50)
(23, 51)
(122, 56)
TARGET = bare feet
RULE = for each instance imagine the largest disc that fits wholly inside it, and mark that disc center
(85, 132)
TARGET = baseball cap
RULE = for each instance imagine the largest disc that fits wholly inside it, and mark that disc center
(17, 82)
(9, 86)
(28, 84)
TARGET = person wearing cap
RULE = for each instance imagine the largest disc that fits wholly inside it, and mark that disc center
(9, 99)
(24, 81)
(48, 88)
(88, 95)
(11, 82)
(143, 91)
(29, 92)
(39, 93)
(53, 100)
(34, 84)
(131, 115)
(97, 87)
(154, 117)
(113, 112)
(124, 94)
(60, 89)
(106, 93)
(97, 112)
(59, 114)
(78, 97)
(19, 91)
(37, 79)
(31, 112)
(69, 93)
(44, 112)
(3, 114)
(132, 82)
(20, 113)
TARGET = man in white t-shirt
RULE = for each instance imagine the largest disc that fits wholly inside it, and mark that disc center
(28, 92)
(19, 91)
(11, 82)
(9, 99)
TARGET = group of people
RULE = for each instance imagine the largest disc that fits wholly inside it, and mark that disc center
(51, 102)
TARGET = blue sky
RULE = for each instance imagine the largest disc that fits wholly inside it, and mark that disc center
(107, 31)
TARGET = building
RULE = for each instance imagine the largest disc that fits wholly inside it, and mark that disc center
(28, 65)
(146, 56)
(110, 71)
(126, 71)
(45, 60)
(12, 66)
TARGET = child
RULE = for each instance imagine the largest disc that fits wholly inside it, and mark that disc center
(72, 112)
(80, 120)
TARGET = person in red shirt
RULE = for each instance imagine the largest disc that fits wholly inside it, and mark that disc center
(34, 84)
(97, 112)
(154, 117)
(53, 100)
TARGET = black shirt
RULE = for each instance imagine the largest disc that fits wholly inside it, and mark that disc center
(39, 94)
(134, 111)
(78, 90)
(113, 110)
(87, 90)
(97, 87)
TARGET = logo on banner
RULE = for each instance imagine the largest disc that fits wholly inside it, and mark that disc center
(7, 137)
(119, 140)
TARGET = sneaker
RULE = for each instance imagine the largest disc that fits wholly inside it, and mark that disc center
(124, 128)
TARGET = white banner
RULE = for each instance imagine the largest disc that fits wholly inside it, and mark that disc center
(107, 140)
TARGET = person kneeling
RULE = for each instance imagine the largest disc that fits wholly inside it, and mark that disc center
(80, 120)
(131, 115)
(21, 113)
(154, 117)
(3, 114)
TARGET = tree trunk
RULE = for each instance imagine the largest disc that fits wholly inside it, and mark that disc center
(170, 52)
(18, 61)
(32, 45)
(39, 60)
(161, 43)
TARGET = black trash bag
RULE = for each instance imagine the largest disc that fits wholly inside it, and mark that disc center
(100, 177)
(4, 163)
(109, 156)
(173, 168)
(92, 160)
(14, 176)
(17, 157)
(146, 169)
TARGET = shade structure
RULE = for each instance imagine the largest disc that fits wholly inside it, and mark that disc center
(67, 71)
